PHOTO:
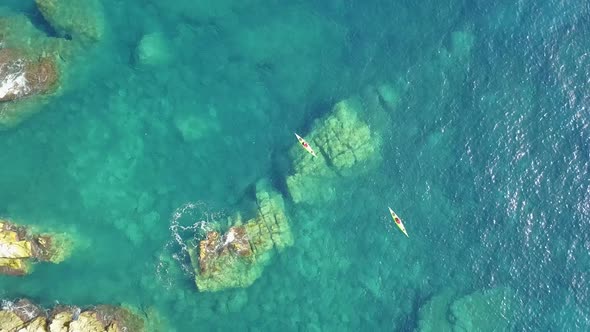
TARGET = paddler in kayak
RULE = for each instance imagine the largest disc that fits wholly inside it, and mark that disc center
(305, 145)
(398, 221)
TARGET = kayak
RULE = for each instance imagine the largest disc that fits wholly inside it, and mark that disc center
(398, 222)
(305, 145)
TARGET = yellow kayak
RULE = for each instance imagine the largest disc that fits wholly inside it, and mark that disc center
(305, 145)
(398, 222)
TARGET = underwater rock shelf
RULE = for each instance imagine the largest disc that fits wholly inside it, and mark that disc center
(344, 143)
(19, 248)
(23, 315)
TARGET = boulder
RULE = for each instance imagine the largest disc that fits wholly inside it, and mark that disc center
(60, 319)
(18, 248)
(78, 20)
(237, 258)
(9, 321)
(30, 68)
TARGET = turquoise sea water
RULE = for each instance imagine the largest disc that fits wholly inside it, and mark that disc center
(487, 160)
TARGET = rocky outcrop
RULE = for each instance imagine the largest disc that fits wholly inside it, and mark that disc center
(343, 142)
(237, 258)
(24, 316)
(19, 248)
(21, 76)
(78, 20)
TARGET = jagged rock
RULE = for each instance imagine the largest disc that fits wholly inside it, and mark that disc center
(343, 142)
(83, 20)
(237, 258)
(38, 324)
(9, 321)
(60, 320)
(21, 76)
(18, 247)
(86, 322)
(24, 316)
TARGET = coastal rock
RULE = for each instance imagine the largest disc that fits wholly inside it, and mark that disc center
(21, 76)
(237, 258)
(30, 68)
(9, 321)
(79, 20)
(18, 248)
(87, 322)
(38, 324)
(343, 142)
(24, 316)
(60, 319)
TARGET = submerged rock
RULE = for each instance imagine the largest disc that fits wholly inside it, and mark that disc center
(79, 20)
(343, 142)
(18, 248)
(24, 316)
(153, 49)
(487, 310)
(237, 258)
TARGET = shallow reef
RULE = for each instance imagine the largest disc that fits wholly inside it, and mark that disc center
(19, 248)
(346, 147)
(482, 310)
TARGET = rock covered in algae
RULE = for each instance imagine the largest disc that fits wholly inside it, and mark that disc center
(80, 20)
(237, 258)
(18, 248)
(24, 316)
(343, 142)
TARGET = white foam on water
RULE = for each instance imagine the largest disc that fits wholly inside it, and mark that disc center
(191, 221)
(14, 82)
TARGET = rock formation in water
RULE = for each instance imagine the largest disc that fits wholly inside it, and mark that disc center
(19, 248)
(32, 64)
(237, 258)
(487, 310)
(345, 146)
(23, 315)
(30, 68)
(21, 76)
(78, 20)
